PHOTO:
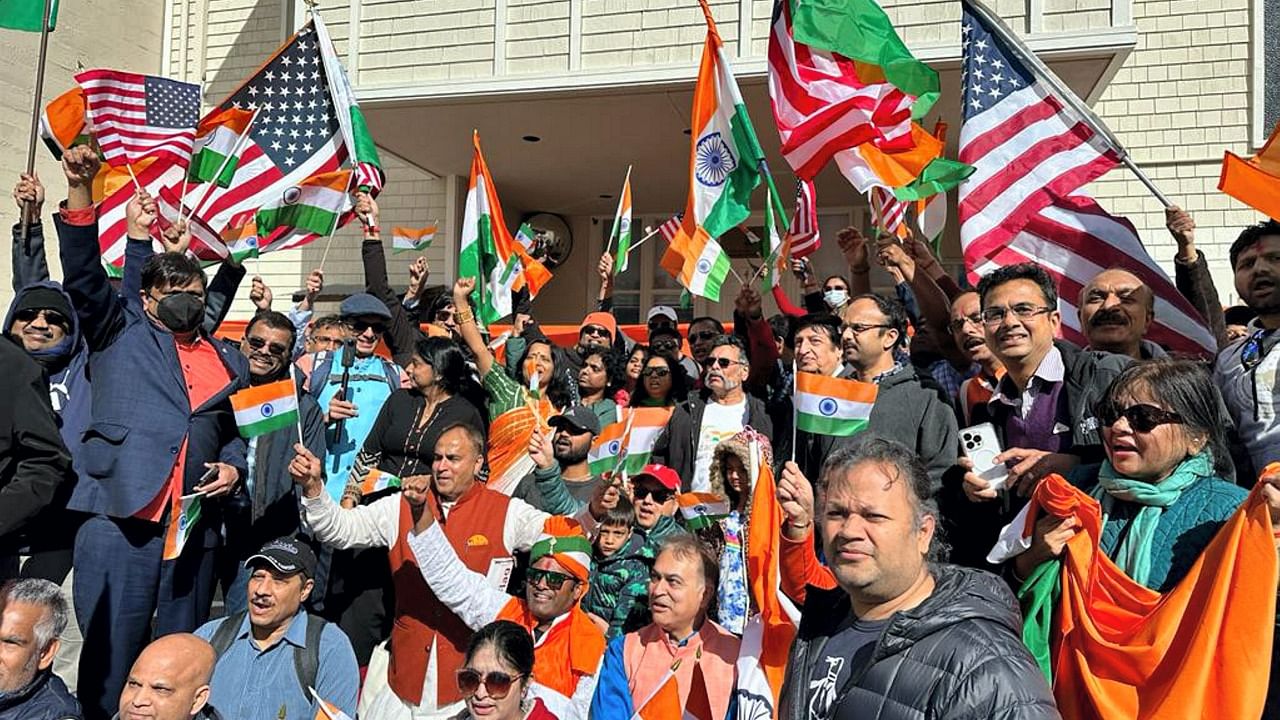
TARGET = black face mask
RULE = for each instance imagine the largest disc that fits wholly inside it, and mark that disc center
(180, 312)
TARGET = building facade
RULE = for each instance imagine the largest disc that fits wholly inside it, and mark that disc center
(566, 94)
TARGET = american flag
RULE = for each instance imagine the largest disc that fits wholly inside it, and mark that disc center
(1034, 152)
(134, 117)
(822, 107)
(669, 228)
(802, 234)
(890, 212)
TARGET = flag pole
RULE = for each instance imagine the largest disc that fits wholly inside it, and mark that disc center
(329, 243)
(1029, 58)
(794, 412)
(35, 112)
(644, 239)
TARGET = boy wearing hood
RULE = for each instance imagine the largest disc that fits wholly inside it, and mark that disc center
(619, 592)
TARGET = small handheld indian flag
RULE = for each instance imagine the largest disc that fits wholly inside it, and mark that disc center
(184, 517)
(265, 408)
(621, 232)
(702, 510)
(377, 481)
(605, 449)
(404, 239)
(832, 406)
(646, 425)
(326, 710)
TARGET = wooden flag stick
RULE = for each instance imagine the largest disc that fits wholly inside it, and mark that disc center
(136, 184)
(649, 232)
(35, 111)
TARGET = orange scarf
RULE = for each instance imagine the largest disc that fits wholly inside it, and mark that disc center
(1203, 650)
(569, 651)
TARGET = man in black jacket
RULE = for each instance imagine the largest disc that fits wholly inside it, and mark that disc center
(898, 637)
(34, 463)
(720, 411)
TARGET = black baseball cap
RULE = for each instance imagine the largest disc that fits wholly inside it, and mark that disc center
(287, 555)
(579, 418)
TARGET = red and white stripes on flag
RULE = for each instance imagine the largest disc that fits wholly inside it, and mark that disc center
(821, 106)
(136, 116)
(669, 228)
(1033, 153)
(802, 234)
(890, 212)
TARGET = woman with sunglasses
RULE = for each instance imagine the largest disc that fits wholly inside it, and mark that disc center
(1163, 486)
(494, 677)
(661, 384)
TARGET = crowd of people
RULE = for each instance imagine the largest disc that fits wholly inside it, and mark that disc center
(430, 539)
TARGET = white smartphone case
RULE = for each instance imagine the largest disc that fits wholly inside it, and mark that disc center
(979, 444)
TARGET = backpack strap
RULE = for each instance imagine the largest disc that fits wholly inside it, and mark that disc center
(392, 371)
(320, 369)
(226, 633)
(306, 660)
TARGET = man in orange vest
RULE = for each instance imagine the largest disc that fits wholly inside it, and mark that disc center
(567, 645)
(483, 526)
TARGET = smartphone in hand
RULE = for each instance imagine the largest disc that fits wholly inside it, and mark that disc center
(980, 444)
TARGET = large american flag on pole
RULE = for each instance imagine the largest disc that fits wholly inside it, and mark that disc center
(1034, 153)
(134, 116)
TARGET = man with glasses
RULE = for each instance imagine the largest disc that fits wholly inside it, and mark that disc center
(721, 410)
(1043, 407)
(966, 328)
(162, 429)
(268, 507)
(484, 526)
(568, 646)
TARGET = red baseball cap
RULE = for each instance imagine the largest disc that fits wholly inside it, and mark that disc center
(665, 476)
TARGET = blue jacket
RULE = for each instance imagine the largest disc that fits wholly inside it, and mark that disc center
(141, 410)
(46, 698)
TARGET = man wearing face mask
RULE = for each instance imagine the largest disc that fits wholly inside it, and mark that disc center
(721, 410)
(268, 508)
(162, 429)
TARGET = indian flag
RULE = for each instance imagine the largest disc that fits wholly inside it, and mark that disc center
(62, 122)
(326, 710)
(724, 168)
(832, 406)
(663, 701)
(265, 408)
(313, 205)
(621, 232)
(646, 425)
(605, 450)
(931, 212)
(183, 516)
(369, 174)
(403, 239)
(488, 252)
(778, 249)
(376, 481)
(524, 236)
(702, 510)
(219, 139)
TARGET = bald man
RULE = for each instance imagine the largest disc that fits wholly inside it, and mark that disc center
(1116, 309)
(170, 681)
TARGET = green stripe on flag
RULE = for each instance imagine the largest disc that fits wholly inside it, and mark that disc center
(734, 204)
(206, 162)
(860, 30)
(715, 278)
(837, 427)
(939, 176)
(700, 522)
(301, 216)
(268, 424)
(366, 150)
(26, 14)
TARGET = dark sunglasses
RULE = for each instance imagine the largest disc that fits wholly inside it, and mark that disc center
(444, 315)
(52, 317)
(721, 362)
(258, 343)
(659, 496)
(663, 345)
(705, 335)
(656, 371)
(552, 579)
(595, 330)
(1251, 351)
(1142, 417)
(497, 683)
(359, 326)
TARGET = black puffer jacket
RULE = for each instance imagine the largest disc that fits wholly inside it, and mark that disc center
(956, 656)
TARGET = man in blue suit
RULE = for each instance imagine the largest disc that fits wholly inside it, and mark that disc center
(162, 428)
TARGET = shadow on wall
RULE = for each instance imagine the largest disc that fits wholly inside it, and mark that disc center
(243, 42)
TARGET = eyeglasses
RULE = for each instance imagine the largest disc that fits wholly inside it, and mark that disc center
(655, 372)
(699, 337)
(722, 362)
(258, 343)
(595, 330)
(663, 345)
(552, 579)
(659, 495)
(359, 326)
(496, 683)
(444, 315)
(1251, 352)
(859, 328)
(1023, 311)
(958, 324)
(1142, 417)
(326, 341)
(52, 317)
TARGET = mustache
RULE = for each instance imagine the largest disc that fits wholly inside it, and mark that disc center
(1108, 316)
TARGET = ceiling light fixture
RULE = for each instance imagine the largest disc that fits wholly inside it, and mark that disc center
(531, 138)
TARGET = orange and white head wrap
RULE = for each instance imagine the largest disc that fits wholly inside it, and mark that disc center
(562, 539)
